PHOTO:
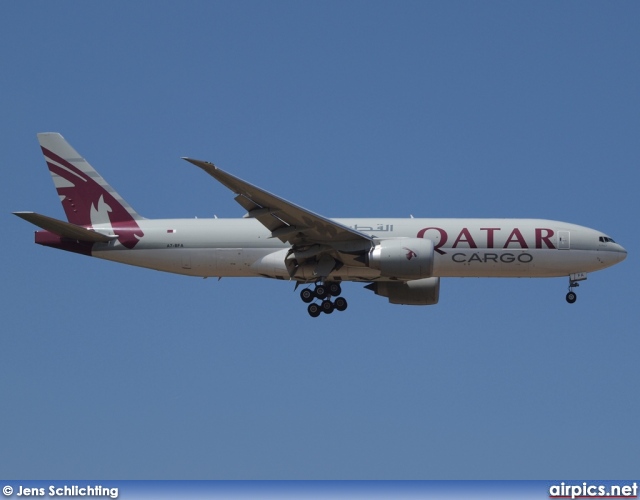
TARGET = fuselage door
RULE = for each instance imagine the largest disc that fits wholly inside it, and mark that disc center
(564, 240)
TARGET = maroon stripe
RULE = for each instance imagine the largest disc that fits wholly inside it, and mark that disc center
(48, 239)
(52, 156)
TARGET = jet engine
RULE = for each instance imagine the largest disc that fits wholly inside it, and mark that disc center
(403, 258)
(424, 292)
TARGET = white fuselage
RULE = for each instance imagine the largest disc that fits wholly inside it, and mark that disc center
(463, 247)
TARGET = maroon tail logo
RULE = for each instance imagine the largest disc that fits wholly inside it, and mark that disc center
(410, 253)
(86, 202)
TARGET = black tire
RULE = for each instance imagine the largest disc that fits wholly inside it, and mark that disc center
(334, 289)
(340, 304)
(327, 306)
(571, 297)
(314, 310)
(321, 292)
(307, 295)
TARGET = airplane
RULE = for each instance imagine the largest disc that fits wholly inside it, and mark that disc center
(401, 259)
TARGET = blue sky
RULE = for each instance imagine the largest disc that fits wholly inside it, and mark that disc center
(450, 109)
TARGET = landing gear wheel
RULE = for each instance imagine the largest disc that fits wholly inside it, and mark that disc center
(307, 295)
(334, 289)
(327, 306)
(571, 297)
(340, 304)
(321, 291)
(314, 310)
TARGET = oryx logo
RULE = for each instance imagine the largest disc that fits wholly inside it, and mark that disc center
(410, 253)
(86, 202)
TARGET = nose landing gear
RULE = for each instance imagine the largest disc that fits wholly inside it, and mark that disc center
(573, 283)
(323, 292)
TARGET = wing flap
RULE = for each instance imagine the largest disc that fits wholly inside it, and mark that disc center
(265, 215)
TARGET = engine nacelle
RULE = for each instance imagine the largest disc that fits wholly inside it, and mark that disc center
(424, 292)
(403, 258)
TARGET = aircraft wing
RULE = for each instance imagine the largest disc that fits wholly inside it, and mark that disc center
(286, 221)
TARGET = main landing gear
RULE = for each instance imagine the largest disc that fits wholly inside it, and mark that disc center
(323, 292)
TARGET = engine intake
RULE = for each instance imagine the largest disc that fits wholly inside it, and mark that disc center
(403, 258)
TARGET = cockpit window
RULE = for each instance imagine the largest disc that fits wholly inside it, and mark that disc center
(606, 239)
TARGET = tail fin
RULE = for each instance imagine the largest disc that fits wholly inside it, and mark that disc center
(86, 197)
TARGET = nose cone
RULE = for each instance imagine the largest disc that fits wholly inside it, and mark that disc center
(621, 254)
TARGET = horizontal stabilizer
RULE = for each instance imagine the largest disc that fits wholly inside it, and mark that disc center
(64, 229)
